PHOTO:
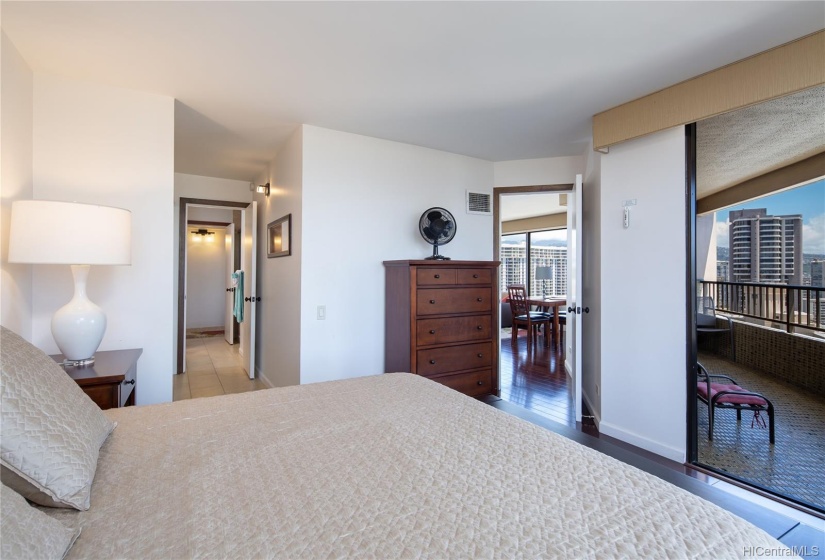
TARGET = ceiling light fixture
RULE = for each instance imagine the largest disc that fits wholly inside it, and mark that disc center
(199, 235)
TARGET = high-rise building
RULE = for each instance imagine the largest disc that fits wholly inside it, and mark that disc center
(514, 268)
(722, 271)
(817, 273)
(765, 249)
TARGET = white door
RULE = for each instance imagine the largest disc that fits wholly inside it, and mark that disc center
(228, 321)
(249, 252)
(185, 259)
(575, 306)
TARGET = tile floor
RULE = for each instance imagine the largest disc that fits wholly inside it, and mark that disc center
(793, 466)
(213, 367)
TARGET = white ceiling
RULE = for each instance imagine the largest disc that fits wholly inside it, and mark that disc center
(494, 80)
(519, 206)
(750, 142)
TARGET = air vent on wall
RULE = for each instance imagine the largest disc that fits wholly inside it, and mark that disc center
(479, 203)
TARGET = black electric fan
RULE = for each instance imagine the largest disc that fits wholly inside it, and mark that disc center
(437, 226)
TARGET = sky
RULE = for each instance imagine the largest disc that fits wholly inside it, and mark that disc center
(808, 200)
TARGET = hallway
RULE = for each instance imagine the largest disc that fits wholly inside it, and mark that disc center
(213, 368)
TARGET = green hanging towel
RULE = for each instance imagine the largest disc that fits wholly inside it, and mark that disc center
(237, 281)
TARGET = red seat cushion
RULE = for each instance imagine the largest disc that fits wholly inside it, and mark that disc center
(702, 388)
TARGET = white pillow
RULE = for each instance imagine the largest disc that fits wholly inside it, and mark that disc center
(51, 430)
(26, 532)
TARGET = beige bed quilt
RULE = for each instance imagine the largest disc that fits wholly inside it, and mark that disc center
(391, 466)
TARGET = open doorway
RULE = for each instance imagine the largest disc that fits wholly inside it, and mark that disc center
(217, 267)
(536, 240)
(212, 256)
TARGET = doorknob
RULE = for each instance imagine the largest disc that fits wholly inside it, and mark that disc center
(570, 310)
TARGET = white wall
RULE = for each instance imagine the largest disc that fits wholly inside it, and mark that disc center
(362, 198)
(643, 388)
(541, 171)
(206, 279)
(204, 214)
(706, 247)
(591, 284)
(211, 188)
(278, 332)
(15, 183)
(112, 146)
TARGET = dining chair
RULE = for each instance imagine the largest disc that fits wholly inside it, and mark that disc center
(523, 317)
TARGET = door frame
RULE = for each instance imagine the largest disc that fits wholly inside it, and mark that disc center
(497, 193)
(692, 354)
(182, 225)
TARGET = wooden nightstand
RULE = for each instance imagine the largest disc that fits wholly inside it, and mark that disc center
(110, 381)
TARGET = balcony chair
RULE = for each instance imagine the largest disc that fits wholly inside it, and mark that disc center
(729, 395)
(522, 316)
(706, 322)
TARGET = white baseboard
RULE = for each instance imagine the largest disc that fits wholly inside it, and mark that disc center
(666, 451)
(263, 378)
(597, 418)
(568, 367)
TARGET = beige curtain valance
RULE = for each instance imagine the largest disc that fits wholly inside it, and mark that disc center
(537, 223)
(783, 70)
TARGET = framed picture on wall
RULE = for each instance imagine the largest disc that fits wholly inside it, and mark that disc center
(279, 237)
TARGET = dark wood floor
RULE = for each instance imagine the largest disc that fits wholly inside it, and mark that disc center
(535, 379)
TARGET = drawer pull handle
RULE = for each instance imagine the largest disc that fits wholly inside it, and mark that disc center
(478, 299)
(481, 383)
(128, 381)
(432, 301)
(432, 362)
(480, 355)
(476, 276)
(432, 331)
(479, 328)
(437, 276)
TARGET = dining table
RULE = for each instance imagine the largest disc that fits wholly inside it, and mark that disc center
(546, 304)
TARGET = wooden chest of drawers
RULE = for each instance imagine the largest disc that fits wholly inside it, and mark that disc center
(441, 322)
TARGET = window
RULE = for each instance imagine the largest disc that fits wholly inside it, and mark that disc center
(522, 253)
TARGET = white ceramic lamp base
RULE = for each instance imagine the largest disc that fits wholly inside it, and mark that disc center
(78, 326)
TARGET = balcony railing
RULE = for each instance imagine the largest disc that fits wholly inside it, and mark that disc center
(792, 306)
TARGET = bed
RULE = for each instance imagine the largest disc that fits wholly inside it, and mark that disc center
(388, 466)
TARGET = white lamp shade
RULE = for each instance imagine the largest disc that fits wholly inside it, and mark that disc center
(49, 232)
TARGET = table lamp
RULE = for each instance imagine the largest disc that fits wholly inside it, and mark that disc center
(80, 235)
(544, 273)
